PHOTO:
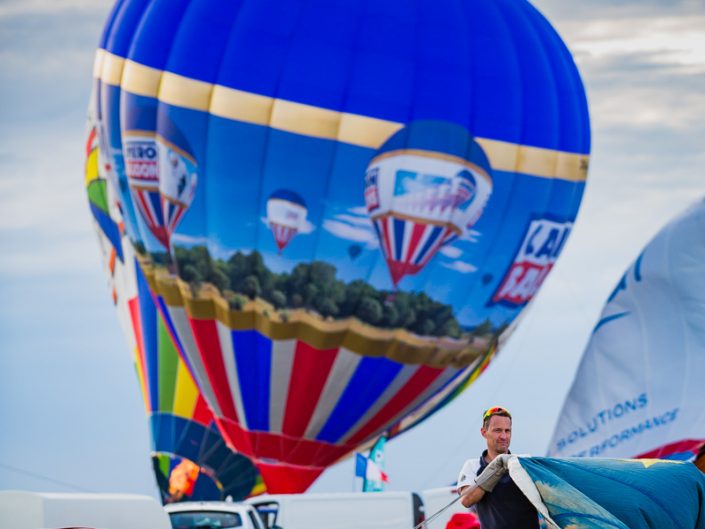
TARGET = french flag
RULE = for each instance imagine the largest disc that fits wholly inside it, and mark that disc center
(369, 470)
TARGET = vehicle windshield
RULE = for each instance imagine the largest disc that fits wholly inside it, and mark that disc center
(205, 520)
(268, 513)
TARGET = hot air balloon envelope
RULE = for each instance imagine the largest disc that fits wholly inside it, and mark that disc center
(450, 140)
(190, 458)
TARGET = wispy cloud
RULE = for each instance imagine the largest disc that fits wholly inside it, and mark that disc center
(470, 236)
(14, 8)
(359, 211)
(640, 62)
(661, 41)
(47, 64)
(561, 12)
(351, 232)
(643, 65)
(353, 225)
(362, 221)
(460, 266)
(451, 252)
(188, 240)
(45, 223)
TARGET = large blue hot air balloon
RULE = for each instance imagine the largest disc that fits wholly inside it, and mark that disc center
(448, 140)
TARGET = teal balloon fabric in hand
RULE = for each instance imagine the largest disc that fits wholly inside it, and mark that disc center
(583, 493)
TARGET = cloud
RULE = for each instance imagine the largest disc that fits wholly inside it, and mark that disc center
(356, 220)
(451, 252)
(645, 51)
(358, 211)
(188, 240)
(470, 236)
(47, 65)
(306, 227)
(347, 231)
(45, 223)
(354, 225)
(640, 60)
(460, 266)
(42, 179)
(15, 8)
(560, 12)
(643, 66)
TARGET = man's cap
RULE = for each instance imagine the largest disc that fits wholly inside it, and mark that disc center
(495, 410)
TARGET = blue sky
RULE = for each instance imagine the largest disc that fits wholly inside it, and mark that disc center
(70, 408)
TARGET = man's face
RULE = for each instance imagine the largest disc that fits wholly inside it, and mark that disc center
(498, 434)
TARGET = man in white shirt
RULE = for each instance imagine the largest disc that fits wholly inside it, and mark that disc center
(499, 502)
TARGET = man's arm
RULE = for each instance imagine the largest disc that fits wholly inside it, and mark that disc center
(470, 495)
(485, 482)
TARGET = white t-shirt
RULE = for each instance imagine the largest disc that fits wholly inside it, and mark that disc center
(468, 473)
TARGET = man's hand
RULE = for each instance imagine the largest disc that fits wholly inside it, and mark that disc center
(493, 473)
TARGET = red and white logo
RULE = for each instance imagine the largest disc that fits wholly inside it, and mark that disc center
(542, 243)
(141, 161)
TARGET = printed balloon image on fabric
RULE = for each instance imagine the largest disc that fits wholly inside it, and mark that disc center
(408, 212)
(385, 251)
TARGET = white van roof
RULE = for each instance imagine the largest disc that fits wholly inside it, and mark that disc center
(344, 510)
(221, 506)
(36, 510)
(328, 495)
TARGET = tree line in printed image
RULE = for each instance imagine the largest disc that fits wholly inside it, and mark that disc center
(314, 287)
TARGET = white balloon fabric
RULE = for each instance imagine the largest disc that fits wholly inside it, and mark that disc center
(639, 390)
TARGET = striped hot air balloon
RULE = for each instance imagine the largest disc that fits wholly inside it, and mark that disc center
(162, 177)
(286, 216)
(421, 195)
(190, 458)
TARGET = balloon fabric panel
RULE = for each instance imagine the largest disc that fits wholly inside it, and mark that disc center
(96, 188)
(253, 355)
(177, 322)
(313, 367)
(149, 349)
(370, 379)
(169, 371)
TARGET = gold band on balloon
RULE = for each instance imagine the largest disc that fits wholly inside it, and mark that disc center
(308, 120)
(206, 303)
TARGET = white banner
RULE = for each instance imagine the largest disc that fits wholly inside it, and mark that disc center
(639, 390)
